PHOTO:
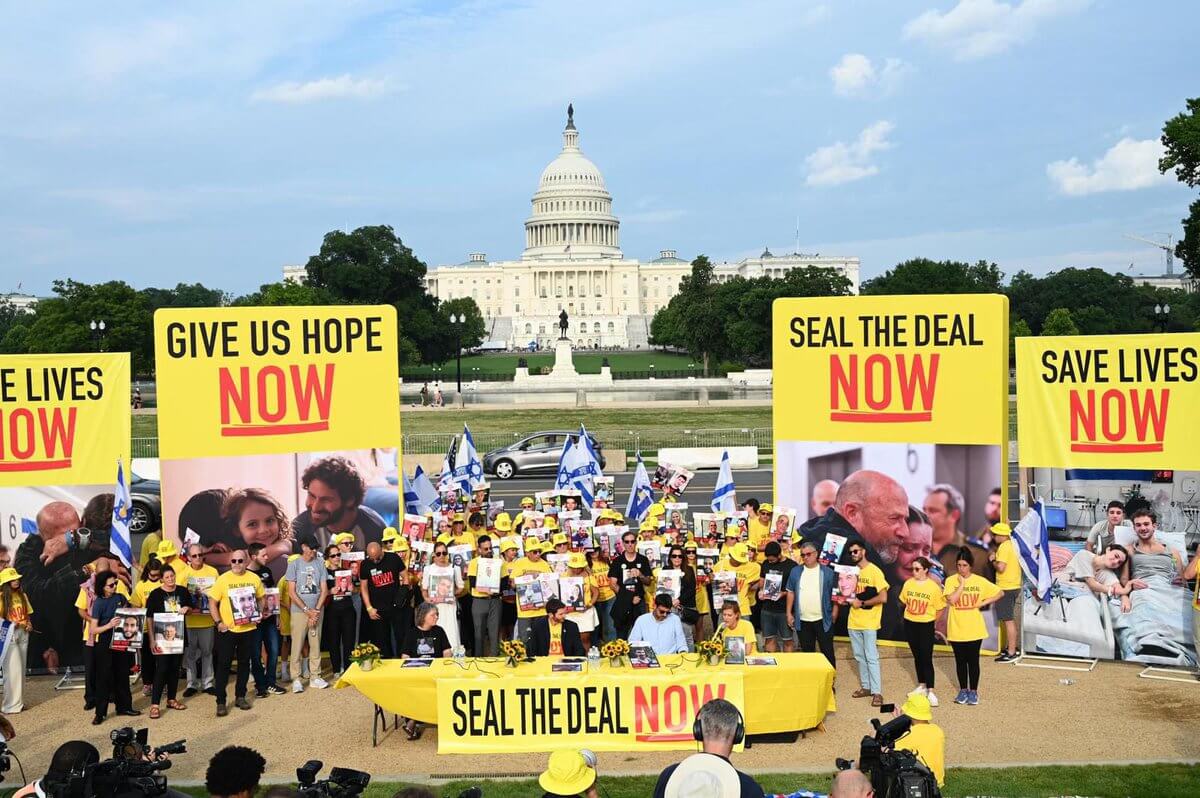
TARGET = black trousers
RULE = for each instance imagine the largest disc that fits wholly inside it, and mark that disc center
(231, 645)
(340, 626)
(388, 632)
(166, 674)
(112, 678)
(813, 636)
(966, 662)
(148, 663)
(920, 643)
(466, 626)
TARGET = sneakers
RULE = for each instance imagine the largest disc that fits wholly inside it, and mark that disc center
(318, 683)
(188, 693)
(297, 687)
(261, 693)
(973, 698)
(933, 702)
(961, 698)
(222, 710)
(276, 690)
(1006, 657)
(242, 703)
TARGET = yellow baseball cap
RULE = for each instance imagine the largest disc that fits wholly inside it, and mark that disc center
(459, 518)
(166, 549)
(560, 538)
(649, 525)
(503, 522)
(656, 509)
(390, 533)
(739, 553)
(343, 537)
(11, 575)
(528, 500)
(917, 707)
(577, 560)
(766, 507)
(507, 544)
(1001, 529)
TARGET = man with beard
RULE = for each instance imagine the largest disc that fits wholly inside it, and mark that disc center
(944, 506)
(824, 494)
(870, 508)
(333, 499)
(52, 564)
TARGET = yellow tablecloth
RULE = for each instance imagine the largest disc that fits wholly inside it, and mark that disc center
(791, 696)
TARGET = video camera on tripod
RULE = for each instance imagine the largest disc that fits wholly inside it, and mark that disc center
(894, 773)
(135, 770)
(342, 782)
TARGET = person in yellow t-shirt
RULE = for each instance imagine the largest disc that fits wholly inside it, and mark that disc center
(733, 625)
(485, 604)
(235, 604)
(531, 563)
(149, 548)
(967, 594)
(16, 610)
(1007, 563)
(605, 598)
(925, 739)
(923, 601)
(866, 616)
(196, 577)
(151, 580)
(749, 574)
(759, 525)
(168, 555)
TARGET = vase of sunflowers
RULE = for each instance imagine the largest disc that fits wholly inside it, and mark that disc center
(514, 650)
(365, 655)
(615, 650)
(710, 651)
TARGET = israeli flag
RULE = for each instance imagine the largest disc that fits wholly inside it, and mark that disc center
(586, 441)
(119, 542)
(575, 469)
(724, 498)
(425, 496)
(641, 495)
(469, 473)
(1032, 539)
(446, 477)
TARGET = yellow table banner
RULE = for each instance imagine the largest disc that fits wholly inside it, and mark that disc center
(484, 707)
(64, 419)
(1117, 401)
(894, 369)
(275, 380)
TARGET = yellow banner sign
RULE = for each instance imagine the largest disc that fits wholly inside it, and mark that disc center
(640, 711)
(236, 381)
(898, 369)
(64, 419)
(1118, 401)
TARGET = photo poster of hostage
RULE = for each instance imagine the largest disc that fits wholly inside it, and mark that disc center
(277, 424)
(1109, 442)
(64, 424)
(891, 427)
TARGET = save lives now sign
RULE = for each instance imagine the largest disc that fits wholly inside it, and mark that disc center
(600, 711)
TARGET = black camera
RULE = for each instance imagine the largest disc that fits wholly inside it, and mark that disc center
(5, 759)
(342, 782)
(135, 770)
(894, 773)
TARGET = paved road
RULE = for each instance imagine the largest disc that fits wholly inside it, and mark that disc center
(754, 483)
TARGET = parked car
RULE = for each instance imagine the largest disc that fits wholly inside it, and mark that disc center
(146, 496)
(535, 454)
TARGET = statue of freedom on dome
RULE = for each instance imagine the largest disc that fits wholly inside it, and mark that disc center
(562, 325)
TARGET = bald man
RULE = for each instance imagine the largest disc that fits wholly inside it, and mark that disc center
(824, 494)
(52, 566)
(851, 784)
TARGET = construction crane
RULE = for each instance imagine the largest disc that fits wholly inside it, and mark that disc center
(1168, 248)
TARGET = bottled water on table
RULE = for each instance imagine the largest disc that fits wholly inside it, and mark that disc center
(593, 657)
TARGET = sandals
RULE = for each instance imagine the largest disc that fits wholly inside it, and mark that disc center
(173, 704)
(862, 692)
(877, 700)
(155, 712)
(413, 730)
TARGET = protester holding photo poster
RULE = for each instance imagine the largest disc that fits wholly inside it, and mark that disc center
(783, 521)
(441, 584)
(847, 583)
(111, 665)
(483, 581)
(338, 624)
(831, 550)
(415, 527)
(167, 606)
(678, 481)
(529, 593)
(234, 630)
(197, 578)
(772, 599)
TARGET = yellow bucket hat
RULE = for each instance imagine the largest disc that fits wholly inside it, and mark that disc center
(567, 773)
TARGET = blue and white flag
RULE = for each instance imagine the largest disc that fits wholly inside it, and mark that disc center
(724, 498)
(641, 495)
(586, 440)
(468, 468)
(1032, 539)
(446, 477)
(426, 498)
(575, 470)
(119, 542)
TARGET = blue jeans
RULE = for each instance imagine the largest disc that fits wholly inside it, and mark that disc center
(866, 654)
(266, 635)
(610, 631)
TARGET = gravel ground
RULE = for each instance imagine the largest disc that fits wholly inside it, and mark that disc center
(1026, 716)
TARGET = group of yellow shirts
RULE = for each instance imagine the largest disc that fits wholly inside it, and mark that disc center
(924, 599)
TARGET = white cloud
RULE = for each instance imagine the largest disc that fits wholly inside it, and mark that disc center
(1128, 165)
(339, 88)
(980, 28)
(856, 76)
(840, 162)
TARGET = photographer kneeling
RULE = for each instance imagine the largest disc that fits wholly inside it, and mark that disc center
(70, 758)
(925, 739)
(570, 774)
(719, 727)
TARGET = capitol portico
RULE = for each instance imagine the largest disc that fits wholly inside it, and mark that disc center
(573, 261)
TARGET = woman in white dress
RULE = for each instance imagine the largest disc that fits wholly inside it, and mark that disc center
(442, 584)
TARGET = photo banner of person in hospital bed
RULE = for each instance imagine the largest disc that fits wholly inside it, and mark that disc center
(1108, 440)
(891, 427)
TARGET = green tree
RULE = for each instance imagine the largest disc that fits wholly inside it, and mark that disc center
(61, 323)
(1118, 307)
(473, 330)
(746, 307)
(185, 295)
(1181, 144)
(925, 276)
(1187, 249)
(1058, 322)
(286, 293)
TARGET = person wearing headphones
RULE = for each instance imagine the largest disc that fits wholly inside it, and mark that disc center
(70, 758)
(570, 774)
(718, 728)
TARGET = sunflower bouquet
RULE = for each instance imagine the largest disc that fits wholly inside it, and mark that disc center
(514, 650)
(710, 650)
(615, 650)
(365, 655)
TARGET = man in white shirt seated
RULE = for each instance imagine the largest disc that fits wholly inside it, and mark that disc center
(661, 629)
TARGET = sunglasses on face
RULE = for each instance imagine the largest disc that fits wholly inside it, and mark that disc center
(236, 561)
(809, 554)
(676, 556)
(440, 553)
(195, 555)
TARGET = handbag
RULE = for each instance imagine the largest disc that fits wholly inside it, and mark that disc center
(689, 615)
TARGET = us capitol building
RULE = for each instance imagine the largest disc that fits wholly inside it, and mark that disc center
(573, 261)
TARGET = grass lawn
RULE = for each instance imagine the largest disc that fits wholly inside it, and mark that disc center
(506, 419)
(585, 363)
(1157, 781)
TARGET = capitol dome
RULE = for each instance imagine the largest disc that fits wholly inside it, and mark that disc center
(572, 209)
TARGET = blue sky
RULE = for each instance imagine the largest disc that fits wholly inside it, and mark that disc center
(215, 142)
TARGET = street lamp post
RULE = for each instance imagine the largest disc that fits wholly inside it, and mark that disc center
(1161, 314)
(457, 321)
(99, 330)
(651, 371)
